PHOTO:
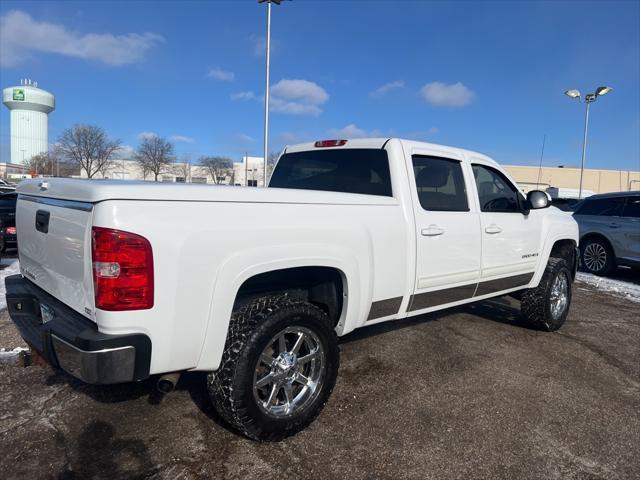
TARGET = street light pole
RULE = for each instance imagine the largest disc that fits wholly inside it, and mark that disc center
(266, 88)
(588, 100)
(266, 94)
(584, 144)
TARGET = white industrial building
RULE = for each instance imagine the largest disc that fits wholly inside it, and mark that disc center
(29, 125)
(249, 172)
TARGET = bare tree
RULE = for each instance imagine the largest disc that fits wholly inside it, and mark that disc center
(51, 163)
(155, 155)
(183, 168)
(272, 159)
(87, 147)
(38, 164)
(218, 167)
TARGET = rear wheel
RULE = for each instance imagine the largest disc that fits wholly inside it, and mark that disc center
(597, 256)
(546, 307)
(278, 369)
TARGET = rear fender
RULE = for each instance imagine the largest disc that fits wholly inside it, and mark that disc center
(243, 265)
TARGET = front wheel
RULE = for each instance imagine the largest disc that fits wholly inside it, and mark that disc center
(546, 307)
(278, 369)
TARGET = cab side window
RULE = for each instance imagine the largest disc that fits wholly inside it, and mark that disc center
(496, 193)
(440, 184)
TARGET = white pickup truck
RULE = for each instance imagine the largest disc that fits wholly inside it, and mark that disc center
(123, 280)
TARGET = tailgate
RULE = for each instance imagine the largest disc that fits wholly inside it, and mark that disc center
(54, 246)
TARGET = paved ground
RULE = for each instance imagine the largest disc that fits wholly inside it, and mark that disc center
(465, 394)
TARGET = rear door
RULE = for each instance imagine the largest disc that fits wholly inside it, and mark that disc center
(511, 241)
(630, 229)
(54, 247)
(603, 216)
(447, 230)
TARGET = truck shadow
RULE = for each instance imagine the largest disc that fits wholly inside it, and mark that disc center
(101, 454)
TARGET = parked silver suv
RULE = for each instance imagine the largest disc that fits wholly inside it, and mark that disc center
(609, 231)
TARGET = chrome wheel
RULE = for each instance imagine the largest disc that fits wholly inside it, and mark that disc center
(290, 372)
(559, 295)
(595, 257)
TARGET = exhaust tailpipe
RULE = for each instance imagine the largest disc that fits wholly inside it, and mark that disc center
(167, 382)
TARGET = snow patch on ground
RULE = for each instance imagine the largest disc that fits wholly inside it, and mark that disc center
(627, 290)
(11, 267)
(12, 357)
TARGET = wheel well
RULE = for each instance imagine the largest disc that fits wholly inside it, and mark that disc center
(321, 286)
(599, 236)
(566, 248)
(563, 248)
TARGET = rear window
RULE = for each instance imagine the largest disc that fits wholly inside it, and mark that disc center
(364, 171)
(601, 206)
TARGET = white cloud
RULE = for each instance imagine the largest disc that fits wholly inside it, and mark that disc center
(143, 135)
(244, 138)
(386, 88)
(20, 35)
(125, 151)
(219, 74)
(297, 97)
(350, 131)
(181, 138)
(243, 96)
(443, 95)
(353, 131)
(259, 44)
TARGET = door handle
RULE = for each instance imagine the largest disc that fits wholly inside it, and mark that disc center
(432, 231)
(614, 225)
(493, 229)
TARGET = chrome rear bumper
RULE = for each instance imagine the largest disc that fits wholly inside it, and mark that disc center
(109, 365)
(70, 341)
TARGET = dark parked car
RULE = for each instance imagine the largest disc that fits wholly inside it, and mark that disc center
(6, 187)
(609, 231)
(8, 220)
(566, 204)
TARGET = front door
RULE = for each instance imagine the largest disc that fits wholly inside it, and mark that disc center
(510, 240)
(447, 231)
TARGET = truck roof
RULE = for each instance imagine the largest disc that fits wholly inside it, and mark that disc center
(380, 142)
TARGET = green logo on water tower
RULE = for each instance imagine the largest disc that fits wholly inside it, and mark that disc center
(18, 94)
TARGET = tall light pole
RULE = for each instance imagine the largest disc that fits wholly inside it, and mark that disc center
(266, 88)
(588, 100)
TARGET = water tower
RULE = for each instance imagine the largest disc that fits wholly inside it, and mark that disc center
(30, 107)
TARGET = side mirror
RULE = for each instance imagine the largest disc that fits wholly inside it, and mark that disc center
(537, 199)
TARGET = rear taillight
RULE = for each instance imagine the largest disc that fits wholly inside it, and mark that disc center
(122, 270)
(330, 143)
(10, 230)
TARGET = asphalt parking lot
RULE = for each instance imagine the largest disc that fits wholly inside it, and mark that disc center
(467, 393)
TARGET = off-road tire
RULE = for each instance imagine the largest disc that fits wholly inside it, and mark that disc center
(250, 330)
(536, 302)
(609, 263)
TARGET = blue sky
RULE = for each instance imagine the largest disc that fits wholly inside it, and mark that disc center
(487, 76)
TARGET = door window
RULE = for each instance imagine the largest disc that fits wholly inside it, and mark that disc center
(632, 207)
(440, 184)
(496, 193)
(601, 206)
